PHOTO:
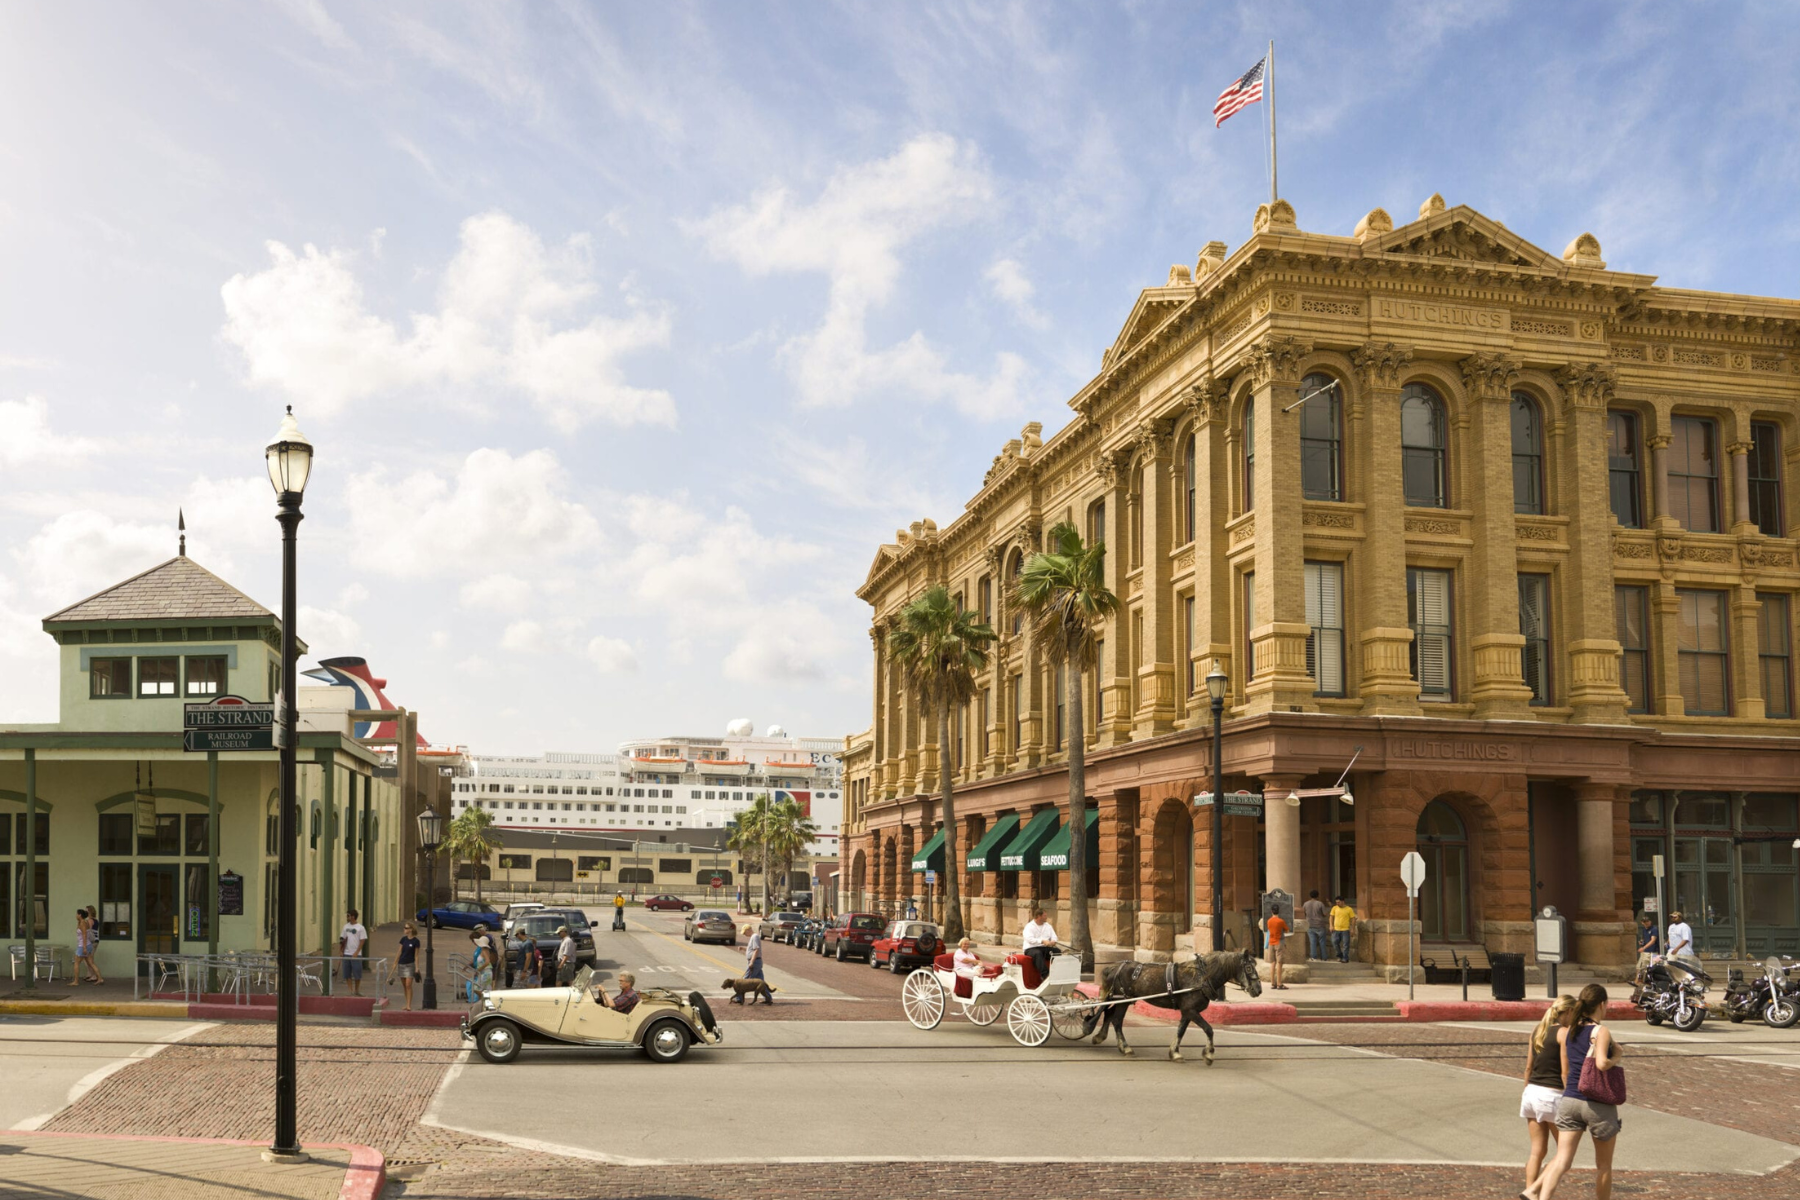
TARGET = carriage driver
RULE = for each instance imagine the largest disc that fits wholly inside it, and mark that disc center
(1039, 940)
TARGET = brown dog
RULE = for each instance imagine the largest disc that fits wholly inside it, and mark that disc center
(752, 988)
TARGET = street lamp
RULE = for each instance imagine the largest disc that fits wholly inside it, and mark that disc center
(1215, 687)
(289, 458)
(431, 836)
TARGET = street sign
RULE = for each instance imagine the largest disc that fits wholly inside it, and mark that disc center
(228, 723)
(1652, 904)
(717, 883)
(1412, 872)
(1237, 804)
(930, 878)
(1550, 930)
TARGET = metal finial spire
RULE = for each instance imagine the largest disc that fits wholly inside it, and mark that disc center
(181, 527)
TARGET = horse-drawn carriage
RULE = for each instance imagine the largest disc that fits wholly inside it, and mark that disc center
(1033, 1005)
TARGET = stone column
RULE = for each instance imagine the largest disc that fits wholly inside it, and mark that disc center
(1116, 927)
(1746, 667)
(1594, 840)
(877, 735)
(1156, 674)
(1490, 595)
(1281, 832)
(1114, 728)
(1212, 573)
(1587, 580)
(1378, 567)
(1659, 478)
(1740, 522)
(1665, 667)
(1033, 725)
(903, 872)
(1279, 639)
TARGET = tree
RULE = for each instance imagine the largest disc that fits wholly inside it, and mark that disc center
(787, 831)
(941, 647)
(472, 838)
(1063, 592)
(748, 838)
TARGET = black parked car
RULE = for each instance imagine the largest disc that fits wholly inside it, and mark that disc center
(541, 927)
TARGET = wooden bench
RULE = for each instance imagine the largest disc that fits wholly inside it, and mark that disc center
(1443, 962)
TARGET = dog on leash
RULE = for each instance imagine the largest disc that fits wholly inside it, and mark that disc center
(753, 988)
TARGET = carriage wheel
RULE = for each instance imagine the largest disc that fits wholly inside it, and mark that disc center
(1028, 1019)
(984, 1012)
(922, 998)
(1070, 1020)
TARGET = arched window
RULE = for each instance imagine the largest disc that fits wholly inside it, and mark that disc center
(1191, 529)
(1527, 455)
(1321, 439)
(1137, 517)
(1014, 568)
(1444, 899)
(1249, 455)
(1422, 447)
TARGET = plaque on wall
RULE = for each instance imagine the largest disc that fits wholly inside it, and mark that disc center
(231, 894)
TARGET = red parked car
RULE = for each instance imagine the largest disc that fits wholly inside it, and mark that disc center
(906, 944)
(852, 935)
(662, 903)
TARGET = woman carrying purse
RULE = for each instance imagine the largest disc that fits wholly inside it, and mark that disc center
(1593, 1089)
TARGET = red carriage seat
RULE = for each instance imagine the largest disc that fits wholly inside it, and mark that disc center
(1032, 978)
(944, 962)
(947, 962)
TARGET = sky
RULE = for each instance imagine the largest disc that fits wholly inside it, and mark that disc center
(626, 333)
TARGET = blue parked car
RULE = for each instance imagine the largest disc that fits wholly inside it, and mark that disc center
(462, 914)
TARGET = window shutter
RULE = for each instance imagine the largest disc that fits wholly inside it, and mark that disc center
(1433, 600)
(1325, 616)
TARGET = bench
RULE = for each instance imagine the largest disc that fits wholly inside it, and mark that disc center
(1443, 962)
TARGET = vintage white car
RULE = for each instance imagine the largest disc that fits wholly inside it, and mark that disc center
(664, 1024)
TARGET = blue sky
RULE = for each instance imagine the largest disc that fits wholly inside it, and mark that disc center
(626, 332)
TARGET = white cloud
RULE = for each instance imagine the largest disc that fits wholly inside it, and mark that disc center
(512, 317)
(854, 233)
(1007, 278)
(82, 551)
(497, 509)
(311, 16)
(497, 593)
(611, 656)
(327, 631)
(27, 440)
(524, 637)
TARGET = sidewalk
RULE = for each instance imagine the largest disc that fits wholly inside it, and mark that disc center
(80, 1164)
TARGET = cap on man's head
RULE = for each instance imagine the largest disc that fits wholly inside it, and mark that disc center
(562, 930)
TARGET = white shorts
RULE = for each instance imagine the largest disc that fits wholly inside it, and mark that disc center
(1538, 1103)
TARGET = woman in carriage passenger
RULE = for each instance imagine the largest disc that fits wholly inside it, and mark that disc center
(966, 963)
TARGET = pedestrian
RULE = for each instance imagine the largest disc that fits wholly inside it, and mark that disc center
(1278, 927)
(1343, 917)
(1649, 944)
(565, 956)
(753, 963)
(407, 962)
(87, 934)
(1582, 1035)
(1316, 919)
(1039, 938)
(1681, 939)
(351, 940)
(1543, 1087)
(481, 968)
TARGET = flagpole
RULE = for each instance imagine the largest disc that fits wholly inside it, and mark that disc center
(1273, 191)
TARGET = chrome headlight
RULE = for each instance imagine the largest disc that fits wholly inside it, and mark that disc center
(490, 1002)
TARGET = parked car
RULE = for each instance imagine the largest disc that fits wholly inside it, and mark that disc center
(801, 902)
(541, 927)
(777, 926)
(852, 935)
(461, 914)
(905, 945)
(515, 911)
(710, 925)
(669, 903)
(663, 1025)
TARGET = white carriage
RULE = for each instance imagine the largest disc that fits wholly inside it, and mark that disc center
(1033, 1006)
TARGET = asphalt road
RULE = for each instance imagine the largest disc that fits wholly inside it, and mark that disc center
(653, 948)
(49, 1062)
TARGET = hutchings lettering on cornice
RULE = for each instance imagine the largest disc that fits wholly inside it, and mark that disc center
(1489, 376)
(1380, 363)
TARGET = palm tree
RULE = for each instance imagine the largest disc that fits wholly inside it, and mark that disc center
(472, 838)
(1064, 593)
(787, 831)
(941, 648)
(749, 838)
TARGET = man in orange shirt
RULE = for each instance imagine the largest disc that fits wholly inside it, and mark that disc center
(1277, 930)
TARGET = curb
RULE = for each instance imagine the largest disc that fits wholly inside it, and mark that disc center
(364, 1179)
(122, 1008)
(420, 1018)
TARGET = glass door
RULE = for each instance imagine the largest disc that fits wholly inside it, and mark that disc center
(159, 910)
(1444, 898)
(1703, 892)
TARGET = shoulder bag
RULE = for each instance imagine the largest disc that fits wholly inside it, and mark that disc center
(1602, 1087)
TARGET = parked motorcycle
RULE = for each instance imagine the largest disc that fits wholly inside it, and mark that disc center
(1673, 991)
(1783, 1009)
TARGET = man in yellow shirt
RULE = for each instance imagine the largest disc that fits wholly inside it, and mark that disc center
(1342, 918)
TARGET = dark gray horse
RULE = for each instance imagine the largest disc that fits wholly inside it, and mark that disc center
(1196, 984)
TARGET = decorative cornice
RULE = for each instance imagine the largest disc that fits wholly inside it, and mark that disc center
(1489, 376)
(1587, 385)
(1379, 364)
(1155, 437)
(1276, 358)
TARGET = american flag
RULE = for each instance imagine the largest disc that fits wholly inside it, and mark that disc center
(1246, 90)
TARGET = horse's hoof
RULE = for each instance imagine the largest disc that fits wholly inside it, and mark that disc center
(1173, 1057)
(1125, 1050)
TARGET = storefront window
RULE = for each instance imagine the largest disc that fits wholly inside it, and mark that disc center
(115, 900)
(115, 833)
(166, 839)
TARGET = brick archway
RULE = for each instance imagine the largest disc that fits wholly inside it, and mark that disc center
(1492, 808)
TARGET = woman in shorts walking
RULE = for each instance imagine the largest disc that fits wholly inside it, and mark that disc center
(407, 963)
(1543, 1087)
(1583, 1035)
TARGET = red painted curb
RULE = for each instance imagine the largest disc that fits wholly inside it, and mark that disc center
(364, 1179)
(416, 1017)
(1497, 1010)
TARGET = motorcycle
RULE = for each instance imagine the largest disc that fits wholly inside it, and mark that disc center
(1783, 1009)
(1673, 991)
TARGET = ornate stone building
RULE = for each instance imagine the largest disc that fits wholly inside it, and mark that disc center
(1514, 525)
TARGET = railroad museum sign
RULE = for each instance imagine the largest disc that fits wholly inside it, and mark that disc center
(228, 723)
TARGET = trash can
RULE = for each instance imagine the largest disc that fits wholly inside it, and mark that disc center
(1509, 976)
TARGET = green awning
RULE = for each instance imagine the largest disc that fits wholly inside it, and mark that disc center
(1022, 853)
(1055, 854)
(986, 854)
(931, 858)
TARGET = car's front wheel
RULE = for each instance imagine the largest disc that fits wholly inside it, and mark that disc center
(499, 1041)
(667, 1042)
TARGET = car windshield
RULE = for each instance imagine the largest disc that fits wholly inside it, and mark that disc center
(788, 918)
(865, 922)
(711, 916)
(537, 926)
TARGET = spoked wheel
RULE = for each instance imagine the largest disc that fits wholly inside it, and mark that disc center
(984, 1013)
(1690, 1021)
(1070, 1020)
(1028, 1020)
(922, 999)
(1782, 1014)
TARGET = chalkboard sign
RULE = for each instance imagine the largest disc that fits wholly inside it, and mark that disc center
(231, 894)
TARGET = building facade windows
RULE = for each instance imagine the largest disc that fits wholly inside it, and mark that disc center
(1704, 644)
(1694, 474)
(1429, 612)
(1631, 620)
(1321, 439)
(1422, 448)
(1189, 471)
(110, 679)
(1534, 624)
(1765, 478)
(1624, 472)
(1249, 625)
(157, 676)
(1249, 454)
(1774, 647)
(206, 675)
(1325, 628)
(1527, 455)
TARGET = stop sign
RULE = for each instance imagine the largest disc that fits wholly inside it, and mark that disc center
(717, 882)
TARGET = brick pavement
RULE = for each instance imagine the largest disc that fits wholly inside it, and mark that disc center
(40, 1165)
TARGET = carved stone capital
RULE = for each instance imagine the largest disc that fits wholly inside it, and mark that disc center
(1155, 436)
(1738, 448)
(1659, 441)
(1027, 535)
(1205, 398)
(1489, 376)
(1587, 385)
(1113, 467)
(996, 557)
(1276, 359)
(1379, 364)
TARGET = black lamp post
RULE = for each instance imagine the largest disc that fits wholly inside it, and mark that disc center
(289, 458)
(1215, 687)
(431, 836)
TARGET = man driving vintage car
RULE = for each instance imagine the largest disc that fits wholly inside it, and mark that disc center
(627, 998)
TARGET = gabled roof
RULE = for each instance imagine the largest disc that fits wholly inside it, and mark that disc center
(1153, 307)
(1463, 233)
(178, 590)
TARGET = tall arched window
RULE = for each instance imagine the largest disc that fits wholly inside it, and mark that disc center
(1321, 439)
(1249, 455)
(1190, 528)
(1136, 500)
(1443, 842)
(1527, 455)
(1422, 447)
(1014, 568)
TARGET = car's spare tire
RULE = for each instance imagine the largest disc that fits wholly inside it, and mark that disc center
(928, 946)
(708, 1022)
